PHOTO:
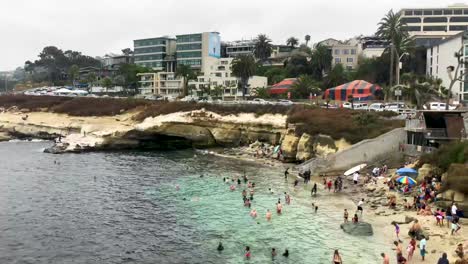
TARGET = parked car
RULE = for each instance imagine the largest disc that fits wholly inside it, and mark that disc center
(259, 101)
(395, 107)
(285, 102)
(347, 105)
(360, 106)
(378, 107)
(438, 106)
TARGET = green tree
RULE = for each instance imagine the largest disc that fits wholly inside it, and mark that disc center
(263, 47)
(130, 71)
(307, 39)
(394, 30)
(292, 42)
(106, 83)
(262, 92)
(91, 78)
(119, 80)
(73, 72)
(243, 67)
(304, 86)
(275, 75)
(321, 61)
(336, 76)
(186, 72)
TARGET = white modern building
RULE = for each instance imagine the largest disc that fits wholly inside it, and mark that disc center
(239, 47)
(219, 74)
(436, 22)
(198, 50)
(155, 53)
(160, 83)
(441, 56)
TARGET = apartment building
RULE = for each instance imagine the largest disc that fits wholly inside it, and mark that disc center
(155, 53)
(441, 56)
(198, 50)
(436, 22)
(160, 83)
(219, 74)
(343, 52)
(239, 47)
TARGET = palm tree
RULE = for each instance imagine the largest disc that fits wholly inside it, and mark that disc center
(292, 42)
(263, 47)
(304, 86)
(307, 39)
(393, 29)
(186, 72)
(321, 60)
(244, 67)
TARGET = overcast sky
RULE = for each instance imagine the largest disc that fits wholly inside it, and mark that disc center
(96, 27)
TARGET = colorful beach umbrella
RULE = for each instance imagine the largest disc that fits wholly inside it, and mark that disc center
(406, 171)
(406, 180)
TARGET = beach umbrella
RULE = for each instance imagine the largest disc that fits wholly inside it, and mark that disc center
(406, 180)
(355, 169)
(406, 171)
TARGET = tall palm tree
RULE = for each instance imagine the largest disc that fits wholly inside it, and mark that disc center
(393, 29)
(304, 86)
(244, 67)
(321, 60)
(307, 39)
(186, 72)
(263, 47)
(292, 42)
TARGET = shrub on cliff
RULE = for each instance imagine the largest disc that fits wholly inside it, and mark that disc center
(456, 152)
(33, 103)
(353, 126)
(83, 106)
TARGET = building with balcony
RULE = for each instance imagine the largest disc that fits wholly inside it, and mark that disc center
(160, 83)
(198, 50)
(239, 47)
(440, 56)
(155, 53)
(436, 23)
(429, 129)
(219, 75)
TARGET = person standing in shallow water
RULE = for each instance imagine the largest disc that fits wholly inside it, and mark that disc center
(247, 252)
(314, 190)
(337, 258)
(286, 173)
(346, 214)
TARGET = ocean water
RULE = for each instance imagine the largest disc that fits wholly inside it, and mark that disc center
(124, 207)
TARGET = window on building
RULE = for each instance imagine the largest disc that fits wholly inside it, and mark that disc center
(408, 12)
(458, 12)
(413, 28)
(437, 12)
(417, 12)
(411, 20)
(434, 28)
(337, 52)
(465, 11)
(353, 52)
(189, 38)
(345, 51)
(337, 60)
(427, 12)
(435, 20)
(189, 54)
(349, 60)
(448, 11)
(459, 19)
(191, 46)
(458, 28)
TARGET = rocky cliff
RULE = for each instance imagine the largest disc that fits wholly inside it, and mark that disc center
(198, 128)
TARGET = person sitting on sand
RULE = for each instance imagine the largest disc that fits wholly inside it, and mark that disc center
(392, 201)
(443, 259)
(460, 251)
(415, 229)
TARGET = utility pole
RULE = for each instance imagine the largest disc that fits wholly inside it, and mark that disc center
(392, 57)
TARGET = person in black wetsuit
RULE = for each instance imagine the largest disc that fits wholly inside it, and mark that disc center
(220, 247)
(286, 253)
(286, 173)
(314, 189)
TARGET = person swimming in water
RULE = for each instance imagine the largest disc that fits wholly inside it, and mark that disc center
(316, 208)
(271, 191)
(279, 208)
(286, 253)
(238, 181)
(220, 247)
(253, 213)
(232, 187)
(247, 252)
(273, 252)
(268, 215)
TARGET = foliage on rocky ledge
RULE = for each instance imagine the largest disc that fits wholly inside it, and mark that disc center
(456, 152)
(353, 126)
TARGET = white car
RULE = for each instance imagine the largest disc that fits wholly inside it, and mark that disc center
(259, 101)
(378, 107)
(347, 105)
(285, 102)
(395, 107)
(360, 106)
(439, 106)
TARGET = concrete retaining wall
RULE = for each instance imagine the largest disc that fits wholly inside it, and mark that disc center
(363, 152)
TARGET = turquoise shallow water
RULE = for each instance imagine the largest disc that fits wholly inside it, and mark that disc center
(123, 207)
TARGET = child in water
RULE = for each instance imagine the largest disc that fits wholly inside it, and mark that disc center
(355, 219)
(268, 215)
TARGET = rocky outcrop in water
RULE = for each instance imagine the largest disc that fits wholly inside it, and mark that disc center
(358, 229)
